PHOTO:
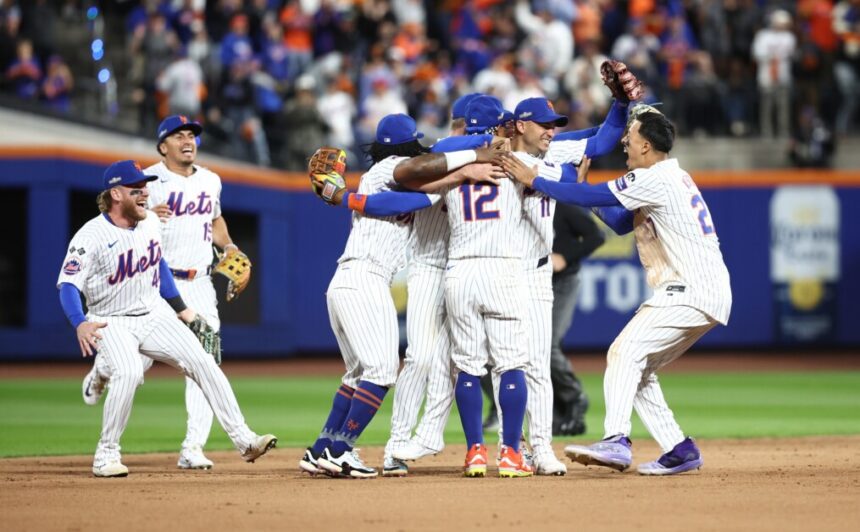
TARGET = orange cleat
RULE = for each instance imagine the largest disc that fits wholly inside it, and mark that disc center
(476, 461)
(512, 464)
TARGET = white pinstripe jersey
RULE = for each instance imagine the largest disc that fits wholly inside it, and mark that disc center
(115, 269)
(538, 209)
(485, 220)
(383, 241)
(566, 151)
(430, 233)
(195, 201)
(676, 239)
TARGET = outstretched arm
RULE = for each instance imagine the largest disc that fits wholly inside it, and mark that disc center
(390, 203)
(618, 219)
(610, 131)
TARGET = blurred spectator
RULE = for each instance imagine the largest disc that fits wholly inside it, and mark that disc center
(238, 103)
(638, 49)
(527, 86)
(846, 24)
(24, 74)
(153, 47)
(57, 85)
(384, 100)
(337, 108)
(678, 46)
(586, 21)
(409, 12)
(551, 38)
(306, 127)
(811, 144)
(496, 80)
(772, 49)
(584, 83)
(39, 26)
(236, 45)
(10, 23)
(297, 35)
(182, 83)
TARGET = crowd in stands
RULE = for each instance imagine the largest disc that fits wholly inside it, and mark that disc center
(273, 79)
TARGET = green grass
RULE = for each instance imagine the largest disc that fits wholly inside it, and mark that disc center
(47, 416)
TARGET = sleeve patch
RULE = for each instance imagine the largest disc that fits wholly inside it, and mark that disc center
(623, 182)
(72, 267)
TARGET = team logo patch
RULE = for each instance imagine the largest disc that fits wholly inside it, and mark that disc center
(630, 177)
(114, 180)
(620, 183)
(72, 267)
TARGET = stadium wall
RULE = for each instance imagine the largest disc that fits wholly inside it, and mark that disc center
(785, 235)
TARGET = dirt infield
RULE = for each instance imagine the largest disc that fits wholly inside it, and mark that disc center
(786, 484)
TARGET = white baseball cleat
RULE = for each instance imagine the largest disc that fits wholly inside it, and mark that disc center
(412, 451)
(193, 458)
(93, 387)
(260, 446)
(549, 465)
(109, 465)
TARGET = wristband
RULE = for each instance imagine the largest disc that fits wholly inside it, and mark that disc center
(456, 159)
(356, 202)
(177, 304)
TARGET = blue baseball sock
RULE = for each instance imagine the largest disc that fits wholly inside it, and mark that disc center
(512, 400)
(365, 402)
(339, 408)
(470, 403)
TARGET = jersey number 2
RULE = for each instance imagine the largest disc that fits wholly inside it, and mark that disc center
(698, 203)
(475, 200)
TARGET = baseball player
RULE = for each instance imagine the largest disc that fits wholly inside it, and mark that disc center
(426, 373)
(115, 261)
(680, 251)
(187, 199)
(535, 135)
(359, 297)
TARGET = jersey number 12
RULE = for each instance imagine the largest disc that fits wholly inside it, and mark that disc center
(476, 198)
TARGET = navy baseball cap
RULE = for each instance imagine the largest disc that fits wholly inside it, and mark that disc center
(538, 110)
(483, 113)
(174, 123)
(458, 110)
(397, 129)
(125, 173)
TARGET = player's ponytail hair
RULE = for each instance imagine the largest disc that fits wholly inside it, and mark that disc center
(104, 200)
(658, 130)
(377, 151)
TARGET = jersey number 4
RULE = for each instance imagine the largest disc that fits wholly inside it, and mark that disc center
(704, 216)
(476, 201)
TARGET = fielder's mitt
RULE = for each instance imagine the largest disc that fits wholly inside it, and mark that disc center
(236, 267)
(208, 337)
(326, 169)
(621, 82)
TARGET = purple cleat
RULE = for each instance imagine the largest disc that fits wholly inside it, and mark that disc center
(611, 452)
(683, 457)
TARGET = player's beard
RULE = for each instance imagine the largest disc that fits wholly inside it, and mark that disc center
(131, 211)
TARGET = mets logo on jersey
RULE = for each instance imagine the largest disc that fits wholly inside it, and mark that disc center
(72, 267)
(622, 182)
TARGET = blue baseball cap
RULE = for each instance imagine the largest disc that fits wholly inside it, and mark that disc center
(538, 110)
(397, 129)
(458, 110)
(125, 173)
(174, 123)
(483, 113)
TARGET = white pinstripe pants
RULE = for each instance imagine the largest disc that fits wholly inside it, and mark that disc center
(539, 405)
(161, 336)
(364, 321)
(427, 367)
(653, 338)
(486, 302)
(199, 295)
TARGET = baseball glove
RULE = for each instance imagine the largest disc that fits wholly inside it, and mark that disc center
(236, 267)
(326, 169)
(208, 337)
(621, 82)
